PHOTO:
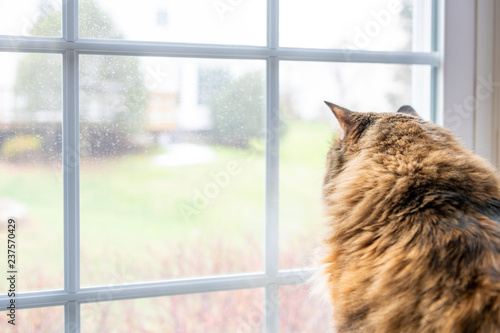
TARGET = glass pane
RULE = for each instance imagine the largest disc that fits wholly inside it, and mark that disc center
(172, 167)
(31, 186)
(382, 25)
(297, 318)
(199, 21)
(31, 18)
(34, 320)
(308, 127)
(229, 311)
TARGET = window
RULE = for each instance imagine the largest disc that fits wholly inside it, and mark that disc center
(165, 163)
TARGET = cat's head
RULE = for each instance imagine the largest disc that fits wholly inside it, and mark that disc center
(382, 136)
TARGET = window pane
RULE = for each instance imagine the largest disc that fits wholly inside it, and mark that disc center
(31, 18)
(229, 311)
(172, 167)
(35, 320)
(383, 25)
(31, 186)
(308, 127)
(297, 318)
(219, 21)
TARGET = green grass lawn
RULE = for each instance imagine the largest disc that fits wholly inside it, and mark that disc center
(134, 224)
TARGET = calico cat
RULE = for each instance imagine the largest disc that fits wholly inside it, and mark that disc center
(414, 232)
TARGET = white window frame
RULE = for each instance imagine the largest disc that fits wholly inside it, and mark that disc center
(444, 93)
(457, 73)
(470, 97)
(487, 67)
(496, 98)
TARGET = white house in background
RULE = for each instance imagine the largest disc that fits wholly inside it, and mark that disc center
(173, 86)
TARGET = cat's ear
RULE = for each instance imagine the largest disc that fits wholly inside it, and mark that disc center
(344, 116)
(406, 109)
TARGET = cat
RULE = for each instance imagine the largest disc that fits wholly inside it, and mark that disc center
(414, 239)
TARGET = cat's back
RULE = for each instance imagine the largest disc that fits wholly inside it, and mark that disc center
(415, 238)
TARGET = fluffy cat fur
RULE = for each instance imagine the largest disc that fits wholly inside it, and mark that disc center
(414, 237)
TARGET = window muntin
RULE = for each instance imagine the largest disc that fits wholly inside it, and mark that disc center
(228, 311)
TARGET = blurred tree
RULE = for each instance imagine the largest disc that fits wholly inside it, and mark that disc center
(112, 92)
(237, 106)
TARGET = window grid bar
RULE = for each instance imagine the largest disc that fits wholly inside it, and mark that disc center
(70, 20)
(71, 168)
(273, 24)
(272, 195)
(159, 289)
(271, 306)
(114, 47)
(434, 69)
(72, 317)
(71, 180)
(71, 171)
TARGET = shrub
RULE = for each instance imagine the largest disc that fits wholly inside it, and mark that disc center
(19, 146)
